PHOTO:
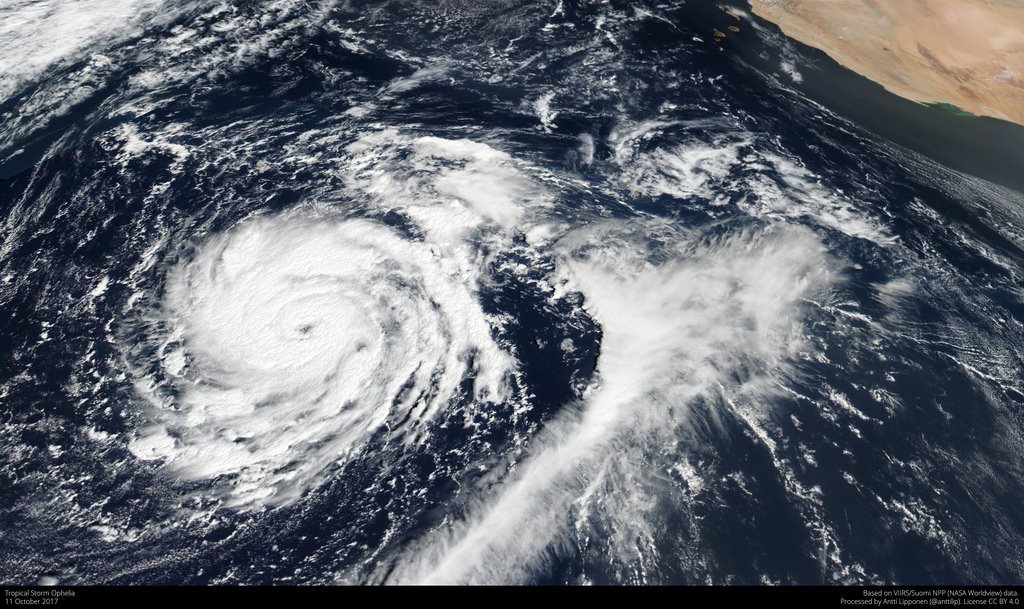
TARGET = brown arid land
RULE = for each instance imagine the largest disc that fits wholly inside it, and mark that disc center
(968, 53)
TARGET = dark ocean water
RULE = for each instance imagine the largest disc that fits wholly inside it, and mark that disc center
(977, 145)
(301, 292)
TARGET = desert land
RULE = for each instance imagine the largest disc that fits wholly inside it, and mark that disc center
(967, 53)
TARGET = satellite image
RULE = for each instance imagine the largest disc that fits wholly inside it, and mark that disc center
(546, 292)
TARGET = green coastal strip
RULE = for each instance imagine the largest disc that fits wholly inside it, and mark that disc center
(952, 108)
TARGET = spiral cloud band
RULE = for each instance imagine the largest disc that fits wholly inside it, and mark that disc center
(292, 341)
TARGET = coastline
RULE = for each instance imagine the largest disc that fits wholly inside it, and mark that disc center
(968, 54)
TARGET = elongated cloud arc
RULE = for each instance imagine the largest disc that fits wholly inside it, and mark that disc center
(715, 321)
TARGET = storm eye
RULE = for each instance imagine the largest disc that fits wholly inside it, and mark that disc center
(304, 331)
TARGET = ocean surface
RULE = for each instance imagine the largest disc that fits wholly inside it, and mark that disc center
(495, 292)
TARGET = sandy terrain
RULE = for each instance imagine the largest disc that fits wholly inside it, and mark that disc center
(969, 53)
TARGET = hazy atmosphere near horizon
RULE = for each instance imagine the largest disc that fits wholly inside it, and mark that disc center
(552, 292)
